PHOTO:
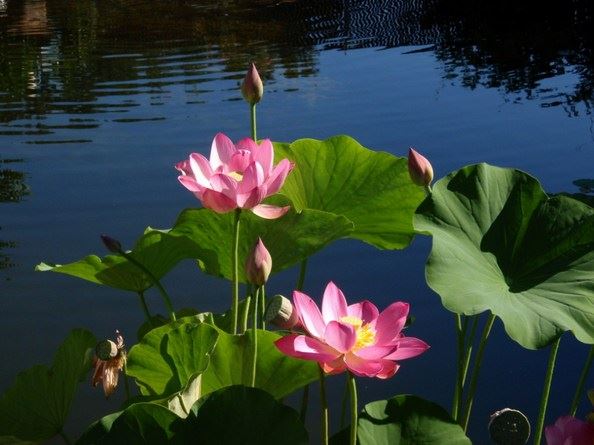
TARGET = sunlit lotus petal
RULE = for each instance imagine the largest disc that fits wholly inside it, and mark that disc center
(236, 176)
(356, 337)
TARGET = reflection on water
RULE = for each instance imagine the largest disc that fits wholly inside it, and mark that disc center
(12, 189)
(94, 58)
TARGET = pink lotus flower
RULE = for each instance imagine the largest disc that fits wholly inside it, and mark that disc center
(236, 176)
(568, 430)
(419, 168)
(355, 337)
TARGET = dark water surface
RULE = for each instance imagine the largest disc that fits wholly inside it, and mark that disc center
(99, 99)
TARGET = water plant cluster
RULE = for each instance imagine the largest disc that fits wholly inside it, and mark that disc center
(501, 248)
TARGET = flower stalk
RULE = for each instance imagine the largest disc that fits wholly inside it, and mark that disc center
(354, 410)
(581, 382)
(235, 276)
(546, 391)
(324, 408)
(476, 371)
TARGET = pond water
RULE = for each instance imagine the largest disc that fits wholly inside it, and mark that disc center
(99, 99)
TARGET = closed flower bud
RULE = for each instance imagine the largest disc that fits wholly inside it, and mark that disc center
(281, 312)
(419, 168)
(258, 264)
(113, 245)
(252, 88)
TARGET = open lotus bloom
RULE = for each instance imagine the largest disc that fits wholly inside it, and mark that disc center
(568, 430)
(236, 176)
(356, 337)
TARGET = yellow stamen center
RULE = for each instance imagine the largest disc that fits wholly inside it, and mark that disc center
(236, 175)
(365, 334)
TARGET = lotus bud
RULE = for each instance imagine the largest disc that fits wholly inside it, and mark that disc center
(281, 312)
(252, 88)
(112, 244)
(258, 264)
(419, 168)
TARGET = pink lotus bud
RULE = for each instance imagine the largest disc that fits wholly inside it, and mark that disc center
(281, 312)
(258, 264)
(252, 87)
(112, 244)
(419, 168)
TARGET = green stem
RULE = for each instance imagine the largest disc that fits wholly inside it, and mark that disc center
(246, 313)
(65, 437)
(354, 410)
(155, 282)
(302, 272)
(545, 392)
(476, 370)
(145, 308)
(469, 349)
(580, 386)
(235, 256)
(253, 120)
(255, 335)
(262, 307)
(460, 332)
(304, 403)
(324, 407)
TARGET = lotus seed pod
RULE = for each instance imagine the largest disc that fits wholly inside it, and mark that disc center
(509, 427)
(106, 350)
(281, 312)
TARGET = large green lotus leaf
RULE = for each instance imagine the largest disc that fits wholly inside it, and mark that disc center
(247, 416)
(231, 415)
(35, 407)
(276, 373)
(289, 239)
(141, 423)
(405, 420)
(501, 244)
(157, 250)
(169, 356)
(372, 189)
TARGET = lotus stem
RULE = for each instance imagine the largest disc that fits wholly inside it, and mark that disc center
(235, 256)
(253, 120)
(145, 308)
(246, 313)
(460, 331)
(469, 349)
(255, 333)
(476, 370)
(546, 391)
(262, 301)
(302, 272)
(154, 281)
(354, 410)
(324, 408)
(582, 381)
